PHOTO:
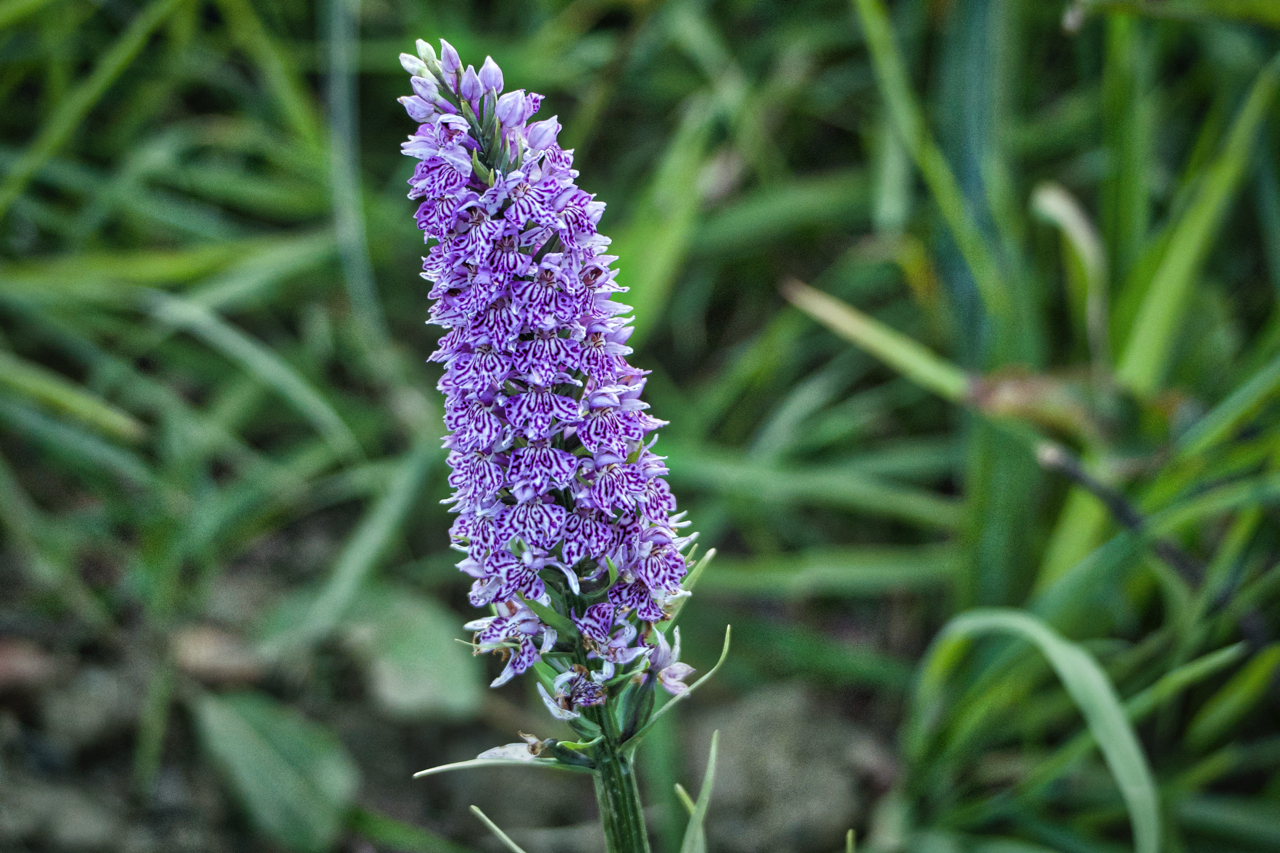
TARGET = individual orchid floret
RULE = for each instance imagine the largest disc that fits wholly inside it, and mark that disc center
(577, 688)
(665, 661)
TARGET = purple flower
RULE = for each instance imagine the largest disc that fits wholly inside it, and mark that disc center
(560, 500)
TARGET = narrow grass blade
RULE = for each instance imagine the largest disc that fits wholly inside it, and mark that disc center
(795, 651)
(73, 109)
(53, 390)
(690, 581)
(82, 449)
(1254, 822)
(345, 184)
(1265, 12)
(28, 529)
(1138, 708)
(370, 540)
(1263, 489)
(1086, 262)
(286, 84)
(1240, 695)
(259, 361)
(256, 274)
(908, 121)
(1086, 683)
(1149, 346)
(1231, 413)
(770, 213)
(853, 571)
(893, 348)
(1128, 130)
(654, 242)
(65, 274)
(12, 11)
(733, 474)
(474, 763)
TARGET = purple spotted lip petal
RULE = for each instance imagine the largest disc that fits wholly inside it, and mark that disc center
(552, 471)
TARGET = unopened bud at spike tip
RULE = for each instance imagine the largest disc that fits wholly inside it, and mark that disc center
(415, 66)
(449, 59)
(491, 75)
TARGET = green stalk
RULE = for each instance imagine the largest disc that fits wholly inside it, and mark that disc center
(617, 791)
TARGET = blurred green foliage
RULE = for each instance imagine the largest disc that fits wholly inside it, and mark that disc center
(1030, 389)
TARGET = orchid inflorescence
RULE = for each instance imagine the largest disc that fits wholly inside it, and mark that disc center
(569, 529)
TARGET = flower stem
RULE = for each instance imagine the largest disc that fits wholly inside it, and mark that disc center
(619, 798)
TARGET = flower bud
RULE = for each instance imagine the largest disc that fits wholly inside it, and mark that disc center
(542, 133)
(418, 109)
(491, 75)
(425, 52)
(425, 88)
(510, 108)
(470, 87)
(413, 65)
(449, 60)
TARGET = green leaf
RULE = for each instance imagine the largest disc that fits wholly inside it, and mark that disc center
(76, 105)
(1138, 708)
(791, 650)
(80, 448)
(1249, 821)
(368, 543)
(563, 625)
(1227, 416)
(293, 778)
(895, 349)
(12, 11)
(852, 571)
(1150, 344)
(413, 668)
(909, 123)
(771, 213)
(689, 582)
(1265, 12)
(260, 361)
(653, 244)
(695, 837)
(287, 86)
(1085, 260)
(1085, 682)
(61, 394)
(1240, 695)
(844, 487)
(520, 757)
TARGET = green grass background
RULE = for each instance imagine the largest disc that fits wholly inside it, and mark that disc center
(963, 314)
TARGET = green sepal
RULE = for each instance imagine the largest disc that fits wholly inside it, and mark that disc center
(480, 169)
